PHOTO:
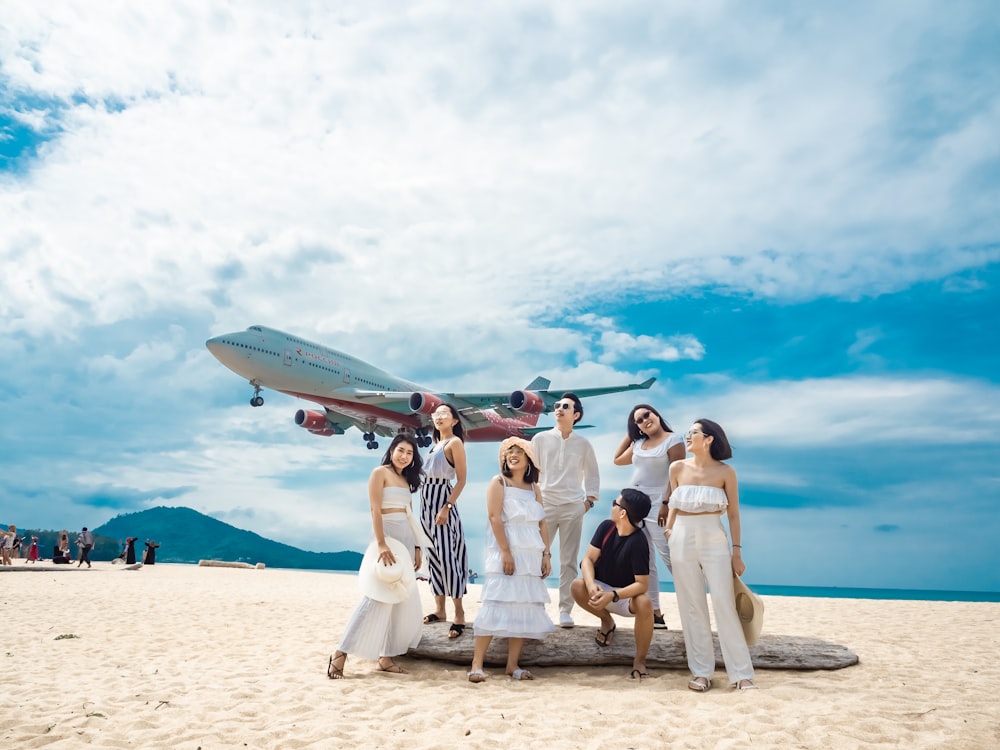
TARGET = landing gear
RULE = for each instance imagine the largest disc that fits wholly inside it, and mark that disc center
(423, 439)
(256, 399)
(372, 445)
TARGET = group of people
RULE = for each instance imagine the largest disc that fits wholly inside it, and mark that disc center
(10, 548)
(672, 509)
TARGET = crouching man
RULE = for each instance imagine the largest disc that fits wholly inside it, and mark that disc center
(616, 575)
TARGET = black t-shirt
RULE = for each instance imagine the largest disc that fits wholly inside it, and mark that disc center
(622, 557)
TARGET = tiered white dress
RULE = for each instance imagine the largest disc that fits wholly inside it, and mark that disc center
(514, 605)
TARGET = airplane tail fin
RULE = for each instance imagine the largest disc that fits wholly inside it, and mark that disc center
(538, 384)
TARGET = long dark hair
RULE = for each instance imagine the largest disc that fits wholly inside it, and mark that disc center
(457, 429)
(720, 449)
(634, 433)
(412, 473)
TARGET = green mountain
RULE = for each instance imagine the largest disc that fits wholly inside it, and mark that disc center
(185, 535)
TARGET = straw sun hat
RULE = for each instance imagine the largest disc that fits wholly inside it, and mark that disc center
(750, 609)
(386, 583)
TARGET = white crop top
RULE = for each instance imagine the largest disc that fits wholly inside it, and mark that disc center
(693, 498)
(652, 467)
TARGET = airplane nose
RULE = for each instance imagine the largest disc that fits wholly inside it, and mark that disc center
(214, 345)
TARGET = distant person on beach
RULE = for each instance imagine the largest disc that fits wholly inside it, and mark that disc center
(149, 556)
(616, 575)
(448, 559)
(85, 541)
(649, 445)
(130, 549)
(64, 544)
(517, 561)
(7, 543)
(32, 551)
(387, 621)
(570, 484)
(702, 489)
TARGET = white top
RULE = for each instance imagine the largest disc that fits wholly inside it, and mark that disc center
(399, 497)
(652, 467)
(568, 468)
(436, 466)
(694, 498)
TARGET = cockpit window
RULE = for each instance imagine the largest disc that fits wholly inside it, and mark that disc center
(255, 328)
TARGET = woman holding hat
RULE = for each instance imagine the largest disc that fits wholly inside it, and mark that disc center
(448, 559)
(703, 488)
(517, 561)
(651, 446)
(387, 620)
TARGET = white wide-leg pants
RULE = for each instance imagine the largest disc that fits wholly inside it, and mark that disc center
(700, 553)
(567, 521)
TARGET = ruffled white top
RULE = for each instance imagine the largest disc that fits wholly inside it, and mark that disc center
(693, 498)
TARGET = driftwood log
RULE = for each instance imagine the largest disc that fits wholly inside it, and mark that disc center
(576, 647)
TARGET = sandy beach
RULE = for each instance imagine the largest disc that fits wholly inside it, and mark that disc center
(177, 656)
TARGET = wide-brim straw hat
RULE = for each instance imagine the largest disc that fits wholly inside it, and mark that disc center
(523, 445)
(750, 609)
(386, 583)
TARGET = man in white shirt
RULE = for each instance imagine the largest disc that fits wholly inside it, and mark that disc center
(85, 541)
(570, 483)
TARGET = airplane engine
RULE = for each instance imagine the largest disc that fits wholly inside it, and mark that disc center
(315, 422)
(424, 403)
(527, 402)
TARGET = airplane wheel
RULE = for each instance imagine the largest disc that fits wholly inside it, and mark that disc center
(257, 401)
(374, 445)
(369, 445)
(368, 437)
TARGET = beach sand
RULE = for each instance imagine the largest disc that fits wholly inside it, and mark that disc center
(177, 656)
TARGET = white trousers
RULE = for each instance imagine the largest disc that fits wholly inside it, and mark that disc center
(566, 521)
(700, 552)
(657, 543)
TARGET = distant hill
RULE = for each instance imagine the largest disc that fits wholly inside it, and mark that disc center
(185, 535)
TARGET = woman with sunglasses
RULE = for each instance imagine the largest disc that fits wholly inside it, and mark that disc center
(703, 488)
(650, 446)
(448, 559)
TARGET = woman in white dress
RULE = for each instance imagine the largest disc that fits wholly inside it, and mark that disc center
(387, 620)
(702, 489)
(517, 561)
(650, 446)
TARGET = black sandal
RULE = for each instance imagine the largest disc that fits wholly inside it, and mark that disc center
(332, 670)
(456, 629)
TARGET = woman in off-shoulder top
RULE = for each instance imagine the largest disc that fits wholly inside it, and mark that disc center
(387, 620)
(702, 488)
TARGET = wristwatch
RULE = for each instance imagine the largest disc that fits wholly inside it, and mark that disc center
(614, 596)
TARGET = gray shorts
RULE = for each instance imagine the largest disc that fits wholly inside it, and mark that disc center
(619, 607)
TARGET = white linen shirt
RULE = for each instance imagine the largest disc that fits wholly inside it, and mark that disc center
(568, 467)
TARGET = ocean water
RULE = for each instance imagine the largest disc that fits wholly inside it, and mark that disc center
(836, 592)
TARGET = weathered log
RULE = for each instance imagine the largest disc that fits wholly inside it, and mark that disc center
(576, 647)
(225, 564)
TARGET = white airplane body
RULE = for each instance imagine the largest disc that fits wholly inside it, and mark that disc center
(354, 393)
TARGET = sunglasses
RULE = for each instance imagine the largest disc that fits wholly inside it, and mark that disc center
(643, 417)
(562, 405)
(690, 433)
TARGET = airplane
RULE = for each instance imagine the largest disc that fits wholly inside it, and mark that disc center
(354, 393)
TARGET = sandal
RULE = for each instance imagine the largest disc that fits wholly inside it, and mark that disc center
(433, 618)
(745, 685)
(332, 670)
(639, 675)
(390, 668)
(477, 676)
(456, 629)
(521, 674)
(700, 684)
(604, 638)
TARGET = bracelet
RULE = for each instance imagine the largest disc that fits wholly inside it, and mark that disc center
(738, 545)
(450, 505)
(546, 554)
(665, 502)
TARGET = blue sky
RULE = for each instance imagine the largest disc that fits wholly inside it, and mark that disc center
(787, 213)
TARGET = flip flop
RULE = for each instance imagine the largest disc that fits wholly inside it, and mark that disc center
(700, 687)
(456, 629)
(521, 674)
(637, 675)
(745, 685)
(432, 618)
(603, 638)
(477, 676)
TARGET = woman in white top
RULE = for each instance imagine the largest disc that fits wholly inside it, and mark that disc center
(702, 488)
(650, 446)
(382, 627)
(448, 559)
